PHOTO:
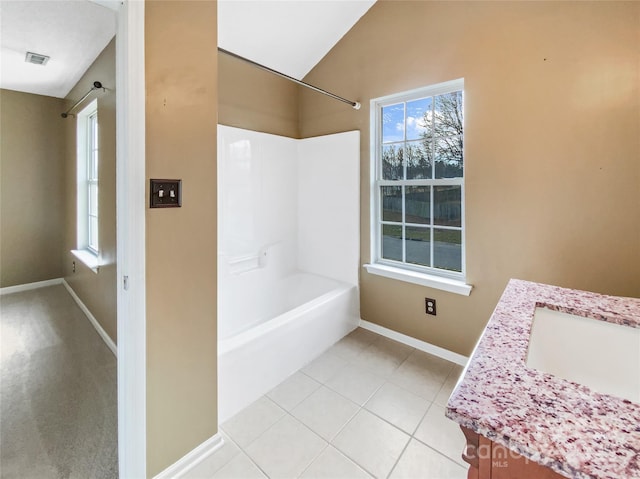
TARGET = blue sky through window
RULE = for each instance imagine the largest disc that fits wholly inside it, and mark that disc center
(394, 121)
(416, 122)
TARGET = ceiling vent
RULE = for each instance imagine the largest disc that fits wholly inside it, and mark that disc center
(36, 58)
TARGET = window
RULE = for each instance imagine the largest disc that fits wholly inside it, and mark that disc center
(92, 182)
(87, 193)
(418, 184)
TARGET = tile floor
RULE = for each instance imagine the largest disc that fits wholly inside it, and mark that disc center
(368, 407)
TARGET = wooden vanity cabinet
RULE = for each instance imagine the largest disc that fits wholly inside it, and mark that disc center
(488, 460)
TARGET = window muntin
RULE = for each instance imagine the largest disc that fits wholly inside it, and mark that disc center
(419, 185)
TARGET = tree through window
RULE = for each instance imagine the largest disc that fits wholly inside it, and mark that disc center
(419, 153)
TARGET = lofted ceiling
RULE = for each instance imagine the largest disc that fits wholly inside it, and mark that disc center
(291, 36)
(72, 33)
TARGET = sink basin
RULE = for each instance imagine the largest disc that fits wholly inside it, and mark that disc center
(600, 355)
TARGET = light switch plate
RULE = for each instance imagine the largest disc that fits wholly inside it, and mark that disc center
(165, 193)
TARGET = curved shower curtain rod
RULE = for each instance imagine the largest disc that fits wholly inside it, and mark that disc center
(96, 86)
(355, 104)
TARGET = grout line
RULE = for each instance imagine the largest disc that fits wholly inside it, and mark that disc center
(227, 438)
(439, 452)
(246, 454)
(366, 400)
(314, 457)
(287, 413)
(413, 434)
(313, 460)
(349, 459)
(360, 407)
(395, 464)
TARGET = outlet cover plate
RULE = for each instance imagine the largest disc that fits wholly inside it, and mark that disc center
(430, 306)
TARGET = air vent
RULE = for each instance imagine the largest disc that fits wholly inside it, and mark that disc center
(36, 58)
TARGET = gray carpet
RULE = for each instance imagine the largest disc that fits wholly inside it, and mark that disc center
(58, 390)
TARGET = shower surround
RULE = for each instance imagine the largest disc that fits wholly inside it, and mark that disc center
(288, 256)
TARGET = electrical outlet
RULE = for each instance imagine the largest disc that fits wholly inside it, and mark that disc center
(430, 306)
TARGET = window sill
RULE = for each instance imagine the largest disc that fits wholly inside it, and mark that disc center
(89, 259)
(429, 280)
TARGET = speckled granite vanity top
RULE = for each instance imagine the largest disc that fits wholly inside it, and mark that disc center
(570, 428)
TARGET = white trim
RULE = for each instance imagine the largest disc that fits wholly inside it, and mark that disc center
(428, 280)
(28, 286)
(416, 343)
(193, 464)
(84, 146)
(131, 256)
(431, 90)
(87, 258)
(92, 319)
(426, 275)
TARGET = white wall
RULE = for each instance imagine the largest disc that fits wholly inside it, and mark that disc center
(257, 239)
(329, 206)
(284, 205)
(257, 191)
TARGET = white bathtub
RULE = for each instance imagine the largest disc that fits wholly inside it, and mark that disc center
(302, 315)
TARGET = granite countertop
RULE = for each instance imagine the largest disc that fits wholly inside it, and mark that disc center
(570, 428)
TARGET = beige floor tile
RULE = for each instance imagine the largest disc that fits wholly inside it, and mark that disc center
(356, 383)
(395, 386)
(400, 407)
(325, 367)
(392, 346)
(422, 374)
(293, 390)
(220, 458)
(240, 467)
(383, 356)
(448, 386)
(251, 422)
(372, 443)
(354, 343)
(325, 412)
(421, 462)
(286, 449)
(442, 434)
(364, 335)
(331, 464)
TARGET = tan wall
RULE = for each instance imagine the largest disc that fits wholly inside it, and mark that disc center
(552, 149)
(31, 188)
(97, 291)
(253, 99)
(181, 243)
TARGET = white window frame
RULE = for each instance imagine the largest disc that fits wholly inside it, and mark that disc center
(427, 276)
(88, 246)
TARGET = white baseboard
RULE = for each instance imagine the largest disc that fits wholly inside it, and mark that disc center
(416, 343)
(26, 287)
(103, 334)
(194, 464)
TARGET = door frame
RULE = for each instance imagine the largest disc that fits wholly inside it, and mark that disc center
(130, 213)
